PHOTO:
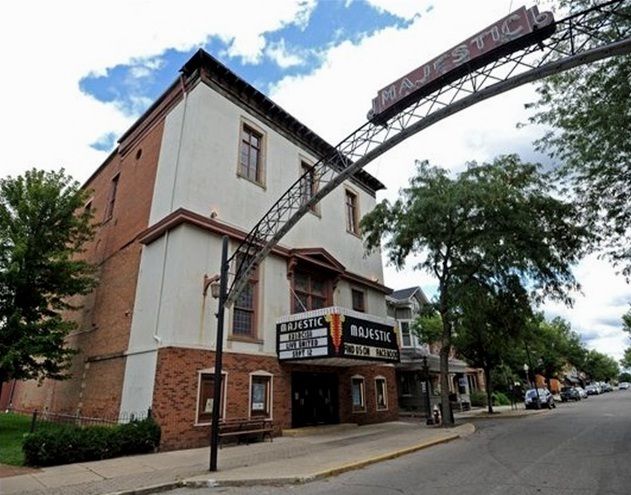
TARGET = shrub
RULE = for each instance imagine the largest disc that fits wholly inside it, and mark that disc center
(500, 399)
(79, 444)
(478, 399)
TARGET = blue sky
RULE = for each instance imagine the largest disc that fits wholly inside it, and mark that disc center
(80, 78)
(294, 50)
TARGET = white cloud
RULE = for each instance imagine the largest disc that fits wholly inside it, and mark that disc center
(282, 56)
(48, 47)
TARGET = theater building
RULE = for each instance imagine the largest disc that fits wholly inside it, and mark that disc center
(307, 342)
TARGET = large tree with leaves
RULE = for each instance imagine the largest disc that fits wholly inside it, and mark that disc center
(43, 226)
(625, 362)
(489, 223)
(601, 367)
(587, 113)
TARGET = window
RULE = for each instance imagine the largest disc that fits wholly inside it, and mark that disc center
(358, 300)
(381, 393)
(260, 395)
(310, 292)
(205, 396)
(352, 221)
(357, 391)
(406, 336)
(244, 312)
(308, 184)
(251, 154)
(407, 384)
(109, 211)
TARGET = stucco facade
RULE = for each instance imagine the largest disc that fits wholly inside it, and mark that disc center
(163, 200)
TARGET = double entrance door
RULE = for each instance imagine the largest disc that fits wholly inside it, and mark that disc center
(314, 399)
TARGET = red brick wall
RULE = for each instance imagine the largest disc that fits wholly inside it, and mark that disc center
(176, 383)
(105, 316)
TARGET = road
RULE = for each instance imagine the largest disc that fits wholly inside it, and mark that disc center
(579, 448)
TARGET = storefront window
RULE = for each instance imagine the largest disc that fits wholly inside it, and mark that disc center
(357, 387)
(206, 397)
(381, 393)
(260, 395)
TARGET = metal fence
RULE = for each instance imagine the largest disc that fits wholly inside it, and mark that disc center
(44, 417)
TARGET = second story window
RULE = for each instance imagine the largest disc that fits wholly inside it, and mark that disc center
(352, 217)
(111, 200)
(310, 292)
(308, 184)
(244, 312)
(251, 154)
(358, 297)
(406, 336)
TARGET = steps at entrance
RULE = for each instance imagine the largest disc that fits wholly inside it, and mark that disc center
(318, 430)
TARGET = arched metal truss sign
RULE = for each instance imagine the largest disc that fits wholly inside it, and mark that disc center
(521, 48)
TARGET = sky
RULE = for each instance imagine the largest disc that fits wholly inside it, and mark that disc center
(77, 74)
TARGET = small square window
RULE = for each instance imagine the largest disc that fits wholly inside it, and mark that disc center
(359, 303)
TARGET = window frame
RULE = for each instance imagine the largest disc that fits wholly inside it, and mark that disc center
(328, 296)
(269, 395)
(351, 227)
(362, 388)
(224, 396)
(356, 290)
(253, 336)
(248, 126)
(111, 197)
(307, 166)
(411, 344)
(380, 378)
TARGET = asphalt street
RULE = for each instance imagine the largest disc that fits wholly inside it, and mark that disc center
(578, 448)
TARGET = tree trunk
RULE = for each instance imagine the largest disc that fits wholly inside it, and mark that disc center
(444, 369)
(489, 389)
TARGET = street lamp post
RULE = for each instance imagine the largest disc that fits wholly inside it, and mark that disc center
(429, 419)
(223, 283)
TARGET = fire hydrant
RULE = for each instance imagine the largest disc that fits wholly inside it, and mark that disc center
(436, 414)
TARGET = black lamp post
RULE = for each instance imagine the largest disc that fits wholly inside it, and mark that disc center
(429, 419)
(223, 282)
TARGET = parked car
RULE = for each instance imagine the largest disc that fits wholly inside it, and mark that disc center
(545, 399)
(592, 390)
(570, 393)
(607, 387)
(624, 386)
(582, 392)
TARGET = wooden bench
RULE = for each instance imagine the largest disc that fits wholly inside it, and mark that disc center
(246, 429)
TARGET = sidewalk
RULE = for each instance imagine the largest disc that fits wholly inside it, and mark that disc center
(285, 460)
(498, 412)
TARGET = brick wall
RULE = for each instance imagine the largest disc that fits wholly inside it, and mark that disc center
(176, 384)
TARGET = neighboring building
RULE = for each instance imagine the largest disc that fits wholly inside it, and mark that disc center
(206, 160)
(405, 305)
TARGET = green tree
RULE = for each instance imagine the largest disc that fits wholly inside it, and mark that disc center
(490, 324)
(587, 112)
(625, 362)
(624, 377)
(42, 229)
(489, 223)
(600, 367)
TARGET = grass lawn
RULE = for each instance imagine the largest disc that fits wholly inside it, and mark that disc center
(12, 430)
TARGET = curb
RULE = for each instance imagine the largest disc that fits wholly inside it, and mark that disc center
(293, 480)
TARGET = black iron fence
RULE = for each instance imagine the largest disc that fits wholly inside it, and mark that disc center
(43, 418)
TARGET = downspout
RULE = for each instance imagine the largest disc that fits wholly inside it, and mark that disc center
(165, 251)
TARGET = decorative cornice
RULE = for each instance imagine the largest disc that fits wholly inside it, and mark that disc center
(182, 216)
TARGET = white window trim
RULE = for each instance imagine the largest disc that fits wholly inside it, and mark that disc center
(224, 375)
(364, 409)
(270, 392)
(385, 381)
(412, 343)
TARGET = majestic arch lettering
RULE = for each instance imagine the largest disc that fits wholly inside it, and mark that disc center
(520, 48)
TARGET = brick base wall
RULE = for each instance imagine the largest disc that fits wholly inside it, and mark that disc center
(176, 389)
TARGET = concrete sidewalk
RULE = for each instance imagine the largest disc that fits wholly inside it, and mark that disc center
(288, 459)
(498, 412)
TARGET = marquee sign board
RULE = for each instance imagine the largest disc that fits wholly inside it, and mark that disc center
(517, 30)
(336, 333)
